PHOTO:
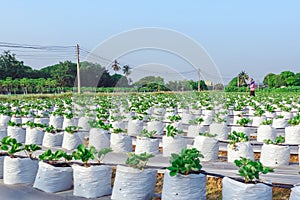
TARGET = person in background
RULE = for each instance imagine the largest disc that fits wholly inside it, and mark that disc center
(252, 87)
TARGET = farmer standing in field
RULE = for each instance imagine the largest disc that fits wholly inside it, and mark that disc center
(252, 87)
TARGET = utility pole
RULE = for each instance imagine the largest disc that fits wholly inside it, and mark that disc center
(238, 82)
(199, 80)
(78, 69)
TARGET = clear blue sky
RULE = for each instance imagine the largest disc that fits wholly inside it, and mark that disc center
(256, 36)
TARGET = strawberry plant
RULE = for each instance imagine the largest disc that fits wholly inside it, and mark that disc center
(174, 118)
(250, 169)
(236, 137)
(148, 134)
(99, 124)
(101, 154)
(278, 140)
(188, 161)
(51, 157)
(267, 122)
(138, 161)
(11, 146)
(118, 130)
(10, 123)
(196, 121)
(72, 129)
(172, 131)
(243, 121)
(259, 112)
(84, 154)
(30, 148)
(207, 134)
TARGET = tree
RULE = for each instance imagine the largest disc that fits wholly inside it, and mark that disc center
(270, 80)
(24, 83)
(243, 77)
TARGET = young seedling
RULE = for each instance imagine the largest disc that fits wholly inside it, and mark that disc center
(250, 169)
(11, 146)
(84, 154)
(101, 154)
(278, 140)
(196, 121)
(236, 137)
(147, 134)
(174, 118)
(30, 148)
(243, 121)
(207, 134)
(118, 130)
(188, 161)
(72, 129)
(99, 124)
(172, 131)
(138, 161)
(51, 157)
(267, 122)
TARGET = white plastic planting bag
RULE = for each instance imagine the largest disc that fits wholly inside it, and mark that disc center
(4, 120)
(148, 145)
(83, 122)
(3, 132)
(295, 193)
(19, 170)
(118, 124)
(34, 136)
(265, 132)
(242, 149)
(279, 123)
(133, 183)
(68, 122)
(44, 120)
(53, 139)
(256, 121)
(135, 127)
(274, 155)
(186, 117)
(234, 190)
(16, 132)
(209, 147)
(71, 140)
(184, 187)
(1, 166)
(207, 119)
(99, 138)
(292, 135)
(53, 179)
(194, 130)
(173, 145)
(120, 142)
(56, 121)
(17, 120)
(221, 130)
(92, 182)
(157, 126)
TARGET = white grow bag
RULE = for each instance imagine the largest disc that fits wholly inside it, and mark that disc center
(242, 149)
(241, 129)
(34, 136)
(279, 123)
(221, 130)
(56, 121)
(118, 124)
(133, 183)
(256, 121)
(265, 132)
(209, 147)
(274, 155)
(53, 139)
(295, 193)
(173, 145)
(148, 145)
(194, 130)
(53, 179)
(234, 190)
(19, 170)
(292, 135)
(83, 122)
(44, 120)
(1, 166)
(120, 142)
(99, 138)
(92, 182)
(135, 127)
(16, 132)
(68, 122)
(157, 126)
(4, 120)
(71, 140)
(3, 132)
(184, 187)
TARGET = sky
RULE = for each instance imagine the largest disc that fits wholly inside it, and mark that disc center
(256, 36)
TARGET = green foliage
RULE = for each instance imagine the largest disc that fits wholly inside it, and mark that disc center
(236, 137)
(243, 121)
(267, 122)
(295, 120)
(11, 146)
(251, 170)
(118, 130)
(174, 118)
(11, 123)
(35, 125)
(207, 134)
(188, 161)
(84, 154)
(50, 156)
(101, 154)
(196, 121)
(138, 161)
(259, 112)
(278, 140)
(99, 124)
(30, 148)
(172, 131)
(148, 134)
(72, 129)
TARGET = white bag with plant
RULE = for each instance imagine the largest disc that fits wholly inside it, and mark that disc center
(71, 138)
(183, 180)
(99, 136)
(251, 187)
(207, 145)
(120, 142)
(147, 143)
(292, 133)
(172, 143)
(265, 131)
(34, 133)
(16, 131)
(195, 128)
(52, 137)
(134, 181)
(135, 126)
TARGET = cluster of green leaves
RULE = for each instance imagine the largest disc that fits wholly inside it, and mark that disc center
(188, 161)
(12, 146)
(147, 134)
(278, 140)
(51, 129)
(295, 120)
(259, 112)
(267, 122)
(50, 156)
(118, 130)
(99, 124)
(138, 161)
(72, 129)
(137, 117)
(207, 134)
(243, 121)
(250, 169)
(172, 131)
(174, 118)
(35, 125)
(236, 137)
(196, 121)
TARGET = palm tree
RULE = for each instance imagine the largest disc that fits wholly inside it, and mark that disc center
(116, 66)
(126, 70)
(242, 77)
